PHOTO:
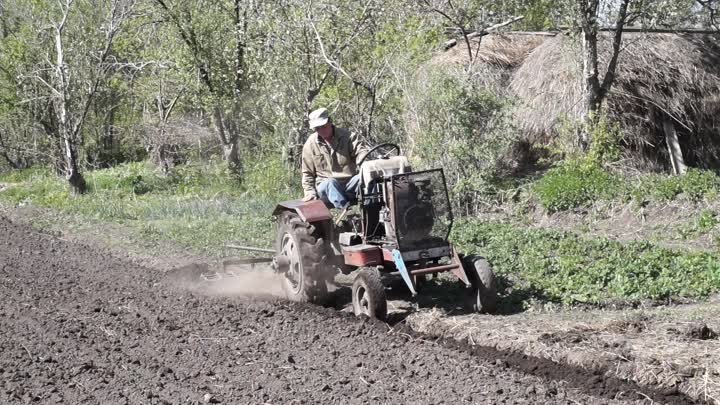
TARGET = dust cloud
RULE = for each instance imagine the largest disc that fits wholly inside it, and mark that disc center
(228, 279)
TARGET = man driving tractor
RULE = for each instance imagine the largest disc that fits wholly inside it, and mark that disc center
(330, 159)
(401, 229)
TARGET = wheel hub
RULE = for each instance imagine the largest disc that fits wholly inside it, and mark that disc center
(294, 273)
(363, 301)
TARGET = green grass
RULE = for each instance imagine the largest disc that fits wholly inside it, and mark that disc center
(574, 184)
(198, 206)
(549, 265)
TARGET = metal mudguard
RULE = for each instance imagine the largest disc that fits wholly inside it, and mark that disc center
(309, 211)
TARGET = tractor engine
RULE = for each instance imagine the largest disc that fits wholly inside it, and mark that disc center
(407, 209)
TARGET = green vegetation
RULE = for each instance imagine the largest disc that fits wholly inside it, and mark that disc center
(573, 185)
(198, 206)
(706, 221)
(695, 185)
(549, 265)
(470, 121)
(584, 177)
(201, 207)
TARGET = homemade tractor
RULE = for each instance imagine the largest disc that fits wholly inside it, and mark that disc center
(402, 228)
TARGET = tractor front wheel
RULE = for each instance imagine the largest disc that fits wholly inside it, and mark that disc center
(368, 295)
(302, 249)
(483, 297)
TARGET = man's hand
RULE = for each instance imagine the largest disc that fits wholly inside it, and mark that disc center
(309, 198)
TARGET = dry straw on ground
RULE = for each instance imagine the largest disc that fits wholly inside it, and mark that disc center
(670, 351)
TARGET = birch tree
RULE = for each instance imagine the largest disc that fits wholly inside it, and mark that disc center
(75, 67)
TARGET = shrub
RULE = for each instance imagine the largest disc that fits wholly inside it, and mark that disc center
(267, 177)
(457, 123)
(22, 175)
(706, 221)
(582, 177)
(573, 184)
(695, 185)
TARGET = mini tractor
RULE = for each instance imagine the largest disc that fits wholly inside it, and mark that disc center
(402, 228)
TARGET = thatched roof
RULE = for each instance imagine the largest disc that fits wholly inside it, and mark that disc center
(505, 51)
(660, 76)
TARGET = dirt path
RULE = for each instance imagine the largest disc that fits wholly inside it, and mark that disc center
(78, 325)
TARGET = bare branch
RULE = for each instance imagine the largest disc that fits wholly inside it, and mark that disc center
(42, 81)
(711, 6)
(457, 24)
(114, 27)
(329, 61)
(449, 44)
(172, 106)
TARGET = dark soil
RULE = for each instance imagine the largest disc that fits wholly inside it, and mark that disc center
(80, 326)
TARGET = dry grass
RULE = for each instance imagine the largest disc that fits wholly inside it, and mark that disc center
(506, 51)
(549, 88)
(663, 347)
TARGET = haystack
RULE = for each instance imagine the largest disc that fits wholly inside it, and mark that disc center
(503, 51)
(666, 83)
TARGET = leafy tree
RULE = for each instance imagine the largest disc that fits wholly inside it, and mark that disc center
(62, 69)
(221, 37)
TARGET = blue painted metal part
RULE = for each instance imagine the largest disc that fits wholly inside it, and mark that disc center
(400, 265)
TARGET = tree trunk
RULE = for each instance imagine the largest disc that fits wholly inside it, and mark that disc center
(228, 141)
(161, 157)
(3, 26)
(595, 91)
(6, 155)
(74, 177)
(591, 81)
(108, 142)
(296, 135)
(10, 161)
(673, 144)
(241, 26)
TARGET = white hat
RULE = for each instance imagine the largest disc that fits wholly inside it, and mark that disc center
(318, 118)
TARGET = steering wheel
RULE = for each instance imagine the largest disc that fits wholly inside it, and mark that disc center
(391, 148)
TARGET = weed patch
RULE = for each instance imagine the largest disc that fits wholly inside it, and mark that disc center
(575, 184)
(563, 267)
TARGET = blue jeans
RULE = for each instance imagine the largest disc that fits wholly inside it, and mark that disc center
(339, 193)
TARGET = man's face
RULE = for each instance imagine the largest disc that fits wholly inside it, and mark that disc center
(325, 131)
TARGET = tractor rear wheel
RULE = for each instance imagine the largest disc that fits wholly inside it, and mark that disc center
(483, 297)
(302, 279)
(368, 295)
